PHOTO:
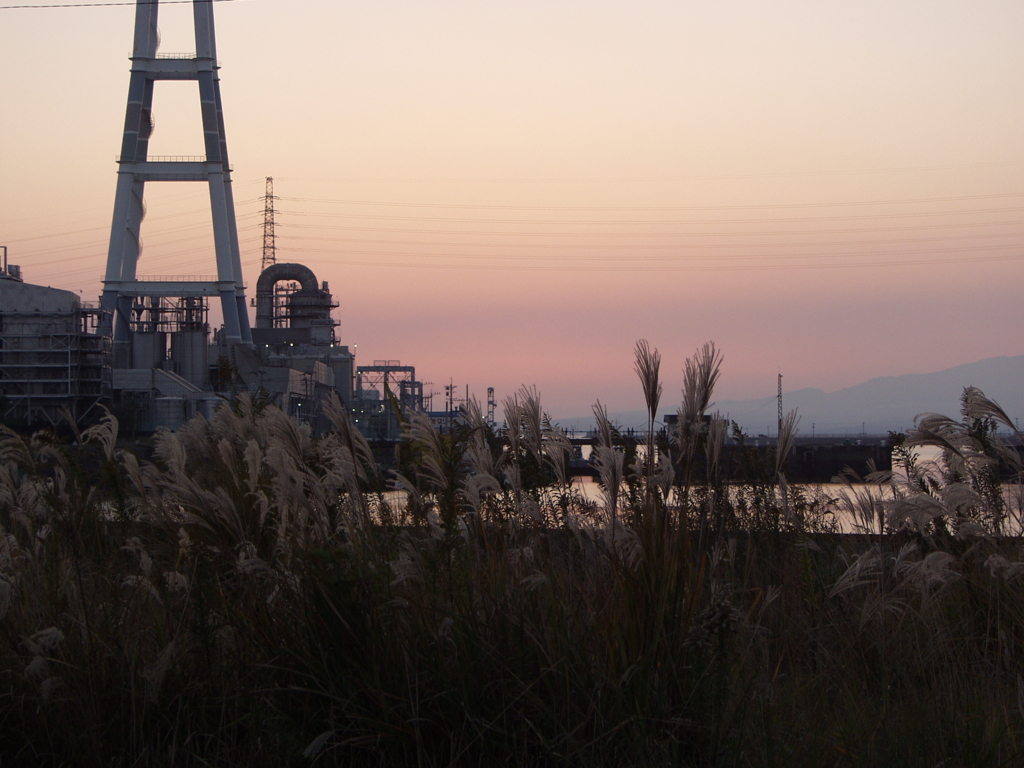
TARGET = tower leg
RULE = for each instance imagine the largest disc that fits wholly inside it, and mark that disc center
(225, 266)
(123, 254)
(236, 264)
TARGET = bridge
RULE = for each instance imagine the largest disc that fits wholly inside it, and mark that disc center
(813, 459)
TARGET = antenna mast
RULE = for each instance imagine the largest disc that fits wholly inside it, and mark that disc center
(269, 246)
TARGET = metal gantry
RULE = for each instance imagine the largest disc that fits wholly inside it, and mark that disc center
(380, 388)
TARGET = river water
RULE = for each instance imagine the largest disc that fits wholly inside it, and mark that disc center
(852, 508)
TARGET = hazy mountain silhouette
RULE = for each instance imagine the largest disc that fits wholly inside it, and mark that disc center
(876, 406)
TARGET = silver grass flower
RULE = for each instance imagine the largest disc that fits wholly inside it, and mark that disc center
(938, 431)
(999, 566)
(49, 685)
(916, 512)
(513, 423)
(351, 438)
(978, 406)
(514, 477)
(700, 375)
(647, 365)
(604, 426)
(481, 481)
(44, 641)
(532, 417)
(103, 432)
(864, 570)
(557, 451)
(141, 586)
(868, 500)
(609, 463)
(420, 430)
(717, 430)
(664, 475)
(14, 448)
(787, 437)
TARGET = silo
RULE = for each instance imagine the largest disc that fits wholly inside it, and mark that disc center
(149, 350)
(189, 353)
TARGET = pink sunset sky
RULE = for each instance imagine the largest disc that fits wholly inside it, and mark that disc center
(506, 193)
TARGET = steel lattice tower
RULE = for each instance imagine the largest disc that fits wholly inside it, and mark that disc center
(269, 244)
(135, 168)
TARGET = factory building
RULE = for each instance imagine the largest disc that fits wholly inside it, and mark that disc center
(54, 360)
(56, 357)
(296, 359)
(173, 368)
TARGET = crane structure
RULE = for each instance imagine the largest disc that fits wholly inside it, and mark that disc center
(123, 292)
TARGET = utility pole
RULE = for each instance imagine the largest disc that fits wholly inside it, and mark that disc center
(779, 433)
(269, 243)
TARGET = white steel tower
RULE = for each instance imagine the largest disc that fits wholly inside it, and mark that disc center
(121, 288)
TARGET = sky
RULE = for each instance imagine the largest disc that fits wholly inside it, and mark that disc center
(513, 193)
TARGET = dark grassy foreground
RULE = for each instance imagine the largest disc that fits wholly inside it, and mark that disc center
(252, 598)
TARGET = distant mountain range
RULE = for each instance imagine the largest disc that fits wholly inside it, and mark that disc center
(874, 407)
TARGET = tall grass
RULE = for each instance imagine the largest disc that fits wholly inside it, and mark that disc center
(253, 596)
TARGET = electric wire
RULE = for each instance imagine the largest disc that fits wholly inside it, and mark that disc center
(672, 256)
(103, 5)
(106, 228)
(633, 259)
(651, 179)
(688, 268)
(645, 246)
(605, 222)
(624, 209)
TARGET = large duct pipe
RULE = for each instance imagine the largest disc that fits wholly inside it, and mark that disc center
(270, 277)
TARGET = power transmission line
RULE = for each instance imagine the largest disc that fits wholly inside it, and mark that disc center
(104, 5)
(609, 222)
(334, 261)
(627, 209)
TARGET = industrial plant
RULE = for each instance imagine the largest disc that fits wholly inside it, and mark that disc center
(146, 349)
